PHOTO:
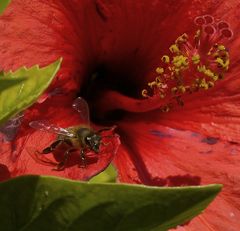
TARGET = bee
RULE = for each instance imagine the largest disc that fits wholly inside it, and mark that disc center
(81, 137)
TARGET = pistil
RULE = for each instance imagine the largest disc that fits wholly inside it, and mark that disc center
(194, 63)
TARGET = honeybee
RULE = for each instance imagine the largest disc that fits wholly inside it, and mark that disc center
(81, 137)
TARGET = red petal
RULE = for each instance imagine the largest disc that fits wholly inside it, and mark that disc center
(43, 31)
(157, 155)
(215, 113)
(86, 32)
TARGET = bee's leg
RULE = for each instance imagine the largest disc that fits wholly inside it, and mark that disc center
(61, 165)
(83, 158)
(52, 147)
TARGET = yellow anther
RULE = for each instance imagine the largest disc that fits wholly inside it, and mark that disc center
(197, 81)
(165, 59)
(182, 39)
(213, 48)
(158, 80)
(165, 108)
(210, 84)
(174, 49)
(151, 84)
(182, 89)
(145, 93)
(180, 61)
(215, 77)
(174, 90)
(162, 96)
(198, 34)
(159, 70)
(201, 68)
(215, 54)
(177, 71)
(203, 84)
(196, 59)
(209, 73)
(222, 63)
(221, 48)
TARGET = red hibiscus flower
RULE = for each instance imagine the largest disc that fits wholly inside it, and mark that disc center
(110, 51)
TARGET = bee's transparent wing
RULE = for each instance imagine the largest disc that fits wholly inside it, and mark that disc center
(43, 125)
(81, 106)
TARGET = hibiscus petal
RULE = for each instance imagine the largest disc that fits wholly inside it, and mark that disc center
(158, 155)
(42, 31)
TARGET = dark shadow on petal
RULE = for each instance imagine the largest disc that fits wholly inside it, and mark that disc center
(135, 156)
(210, 140)
(175, 181)
(160, 134)
(184, 180)
(4, 172)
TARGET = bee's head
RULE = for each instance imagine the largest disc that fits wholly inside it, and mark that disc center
(94, 142)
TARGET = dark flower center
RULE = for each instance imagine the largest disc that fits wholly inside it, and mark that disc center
(105, 79)
(194, 63)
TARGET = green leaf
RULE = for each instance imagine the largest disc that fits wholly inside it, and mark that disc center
(3, 5)
(14, 97)
(8, 83)
(36, 203)
(109, 175)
